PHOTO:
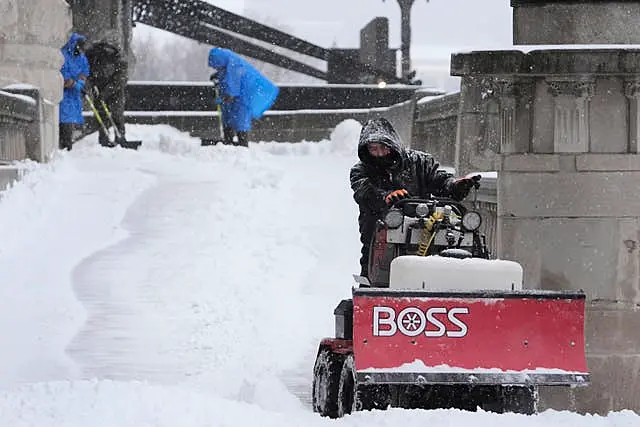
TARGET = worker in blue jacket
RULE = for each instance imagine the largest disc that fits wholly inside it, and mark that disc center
(75, 72)
(245, 94)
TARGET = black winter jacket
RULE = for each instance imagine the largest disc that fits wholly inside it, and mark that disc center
(412, 170)
(108, 69)
(415, 171)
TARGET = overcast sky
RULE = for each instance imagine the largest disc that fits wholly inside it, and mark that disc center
(444, 23)
(440, 27)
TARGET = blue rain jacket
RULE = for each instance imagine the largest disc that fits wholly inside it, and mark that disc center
(71, 104)
(253, 93)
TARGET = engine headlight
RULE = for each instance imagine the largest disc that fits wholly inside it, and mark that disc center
(394, 218)
(422, 210)
(471, 220)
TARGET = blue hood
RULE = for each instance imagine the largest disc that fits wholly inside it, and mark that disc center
(70, 45)
(219, 58)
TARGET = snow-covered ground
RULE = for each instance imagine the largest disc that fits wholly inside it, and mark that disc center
(181, 285)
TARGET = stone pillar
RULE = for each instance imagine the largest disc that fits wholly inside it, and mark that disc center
(477, 137)
(568, 208)
(31, 35)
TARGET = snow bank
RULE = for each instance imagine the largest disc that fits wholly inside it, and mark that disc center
(135, 404)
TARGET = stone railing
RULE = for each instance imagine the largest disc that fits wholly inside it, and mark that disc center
(486, 203)
(435, 127)
(17, 114)
(300, 113)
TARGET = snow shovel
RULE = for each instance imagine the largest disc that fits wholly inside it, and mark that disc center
(98, 118)
(119, 138)
(209, 142)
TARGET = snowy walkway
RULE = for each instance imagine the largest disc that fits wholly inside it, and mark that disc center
(184, 286)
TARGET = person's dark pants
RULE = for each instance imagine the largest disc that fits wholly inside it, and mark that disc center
(65, 141)
(243, 139)
(228, 135)
(114, 104)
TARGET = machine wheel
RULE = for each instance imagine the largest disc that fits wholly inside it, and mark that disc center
(326, 381)
(347, 387)
(359, 397)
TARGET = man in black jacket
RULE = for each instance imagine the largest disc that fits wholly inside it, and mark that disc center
(109, 76)
(388, 172)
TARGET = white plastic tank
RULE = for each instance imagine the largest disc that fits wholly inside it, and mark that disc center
(436, 273)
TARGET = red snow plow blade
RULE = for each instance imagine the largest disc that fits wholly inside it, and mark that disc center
(527, 337)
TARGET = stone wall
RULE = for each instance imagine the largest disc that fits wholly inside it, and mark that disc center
(542, 22)
(435, 127)
(30, 57)
(568, 162)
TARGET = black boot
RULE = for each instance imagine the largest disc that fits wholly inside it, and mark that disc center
(228, 136)
(103, 139)
(66, 136)
(243, 140)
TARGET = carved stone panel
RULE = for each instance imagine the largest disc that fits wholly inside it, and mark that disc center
(571, 114)
(632, 92)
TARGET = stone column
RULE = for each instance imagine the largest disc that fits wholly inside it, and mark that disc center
(568, 208)
(31, 35)
(477, 138)
(632, 92)
(106, 20)
(495, 109)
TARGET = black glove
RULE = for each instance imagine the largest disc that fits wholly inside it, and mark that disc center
(393, 196)
(462, 186)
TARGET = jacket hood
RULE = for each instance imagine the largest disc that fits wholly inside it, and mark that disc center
(109, 38)
(219, 57)
(380, 131)
(70, 45)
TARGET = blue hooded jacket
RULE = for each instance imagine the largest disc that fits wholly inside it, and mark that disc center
(73, 67)
(253, 93)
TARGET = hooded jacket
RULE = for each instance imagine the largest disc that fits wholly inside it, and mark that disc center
(74, 66)
(108, 67)
(253, 93)
(412, 170)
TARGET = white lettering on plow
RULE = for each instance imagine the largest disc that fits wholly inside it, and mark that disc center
(412, 321)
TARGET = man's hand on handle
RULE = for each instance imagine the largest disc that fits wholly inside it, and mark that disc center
(462, 186)
(396, 195)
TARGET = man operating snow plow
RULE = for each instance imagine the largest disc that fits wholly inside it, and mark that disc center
(436, 323)
(450, 330)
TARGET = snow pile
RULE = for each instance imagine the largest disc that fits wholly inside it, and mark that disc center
(344, 138)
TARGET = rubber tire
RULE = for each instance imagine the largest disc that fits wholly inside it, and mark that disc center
(326, 381)
(359, 397)
(347, 388)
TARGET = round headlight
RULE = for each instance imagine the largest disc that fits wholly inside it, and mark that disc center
(394, 218)
(471, 221)
(422, 210)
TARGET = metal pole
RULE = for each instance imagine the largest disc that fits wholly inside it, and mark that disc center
(405, 13)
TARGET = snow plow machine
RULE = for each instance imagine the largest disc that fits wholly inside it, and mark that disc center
(440, 324)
